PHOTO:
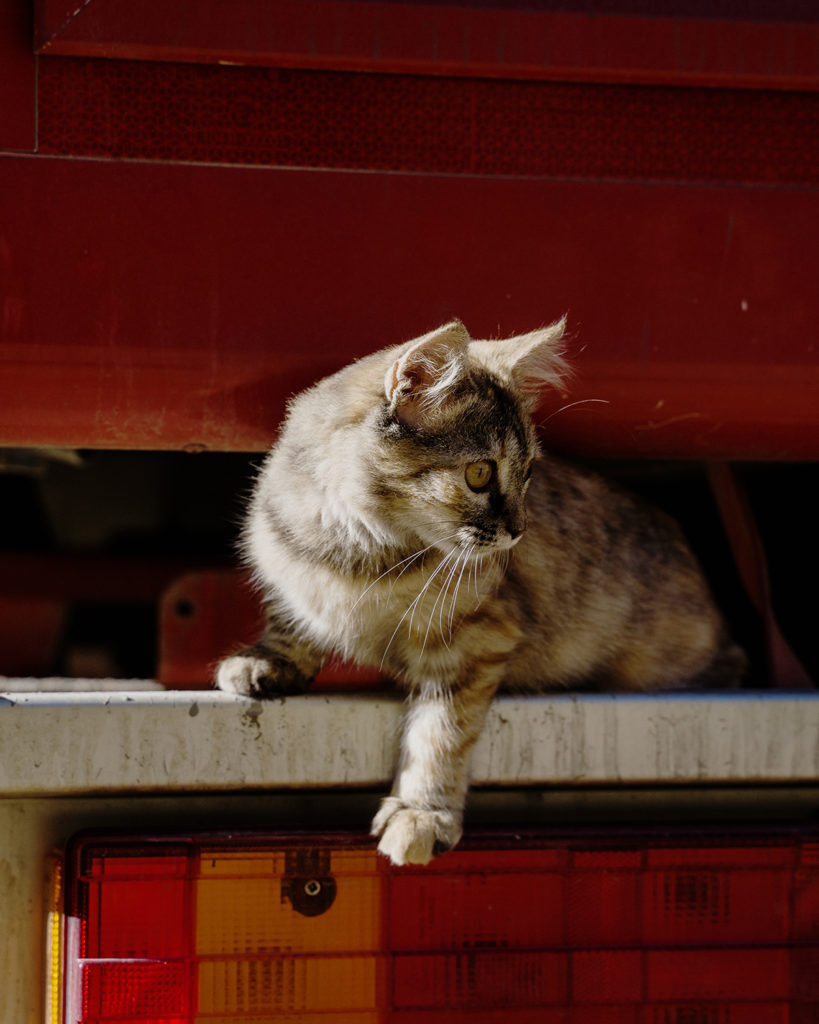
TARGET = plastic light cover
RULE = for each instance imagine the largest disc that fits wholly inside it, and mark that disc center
(580, 929)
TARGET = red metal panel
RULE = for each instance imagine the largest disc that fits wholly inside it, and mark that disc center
(30, 631)
(441, 38)
(155, 306)
(72, 578)
(150, 110)
(205, 615)
(17, 64)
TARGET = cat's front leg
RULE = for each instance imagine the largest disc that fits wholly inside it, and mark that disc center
(281, 663)
(423, 816)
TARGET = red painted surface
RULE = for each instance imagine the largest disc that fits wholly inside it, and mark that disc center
(497, 164)
(157, 306)
(30, 631)
(164, 305)
(202, 617)
(207, 614)
(187, 112)
(440, 39)
(77, 577)
(17, 78)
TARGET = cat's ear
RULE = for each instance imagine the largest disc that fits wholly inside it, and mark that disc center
(423, 378)
(528, 362)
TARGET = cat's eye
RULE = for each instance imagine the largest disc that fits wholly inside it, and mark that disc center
(479, 474)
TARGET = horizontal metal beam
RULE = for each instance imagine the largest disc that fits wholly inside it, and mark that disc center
(149, 742)
(165, 307)
(511, 40)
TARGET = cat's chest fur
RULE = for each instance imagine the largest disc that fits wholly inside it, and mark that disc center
(404, 614)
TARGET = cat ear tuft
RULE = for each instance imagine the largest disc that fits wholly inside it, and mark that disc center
(529, 362)
(422, 379)
(540, 363)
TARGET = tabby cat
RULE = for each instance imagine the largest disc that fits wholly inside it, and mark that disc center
(406, 518)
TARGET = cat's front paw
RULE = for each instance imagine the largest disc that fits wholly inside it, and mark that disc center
(253, 673)
(414, 835)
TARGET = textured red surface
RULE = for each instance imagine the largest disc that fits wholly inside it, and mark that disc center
(185, 112)
(156, 306)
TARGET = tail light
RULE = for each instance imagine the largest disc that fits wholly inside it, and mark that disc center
(553, 929)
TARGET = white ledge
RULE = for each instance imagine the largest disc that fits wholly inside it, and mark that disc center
(146, 741)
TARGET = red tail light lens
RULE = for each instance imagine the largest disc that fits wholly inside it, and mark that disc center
(635, 929)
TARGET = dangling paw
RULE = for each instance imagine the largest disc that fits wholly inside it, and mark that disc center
(414, 835)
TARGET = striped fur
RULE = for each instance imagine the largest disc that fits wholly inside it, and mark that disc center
(368, 539)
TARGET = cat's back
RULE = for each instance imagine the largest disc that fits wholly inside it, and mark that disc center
(603, 573)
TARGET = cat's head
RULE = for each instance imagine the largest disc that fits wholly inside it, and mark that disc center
(457, 433)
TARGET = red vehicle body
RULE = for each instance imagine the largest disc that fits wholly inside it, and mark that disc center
(204, 208)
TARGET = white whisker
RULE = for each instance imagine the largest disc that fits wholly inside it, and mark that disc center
(454, 562)
(477, 570)
(571, 405)
(417, 602)
(406, 562)
(476, 565)
(414, 603)
(467, 555)
(442, 598)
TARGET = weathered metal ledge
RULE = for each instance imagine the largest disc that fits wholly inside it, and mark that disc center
(154, 742)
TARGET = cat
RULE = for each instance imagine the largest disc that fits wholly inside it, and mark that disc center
(406, 518)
